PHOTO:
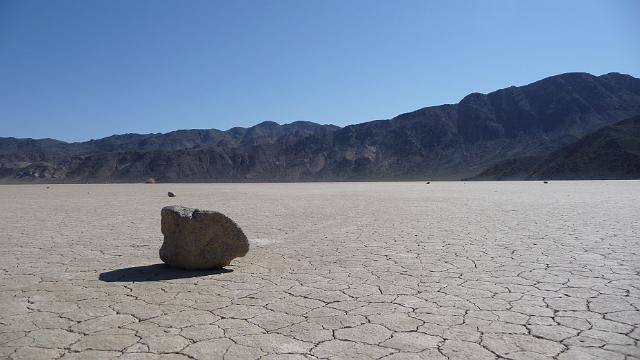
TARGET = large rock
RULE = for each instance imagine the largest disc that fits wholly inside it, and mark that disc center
(200, 239)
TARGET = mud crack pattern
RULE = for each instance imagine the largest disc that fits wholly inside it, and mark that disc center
(335, 271)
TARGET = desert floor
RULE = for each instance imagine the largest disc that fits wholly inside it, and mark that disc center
(475, 270)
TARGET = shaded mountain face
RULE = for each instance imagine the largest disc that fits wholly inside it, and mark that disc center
(612, 152)
(440, 142)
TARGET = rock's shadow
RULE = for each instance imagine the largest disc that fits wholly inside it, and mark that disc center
(155, 272)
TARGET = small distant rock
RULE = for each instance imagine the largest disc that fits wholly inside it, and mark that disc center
(170, 194)
(200, 239)
(48, 187)
(428, 182)
(546, 182)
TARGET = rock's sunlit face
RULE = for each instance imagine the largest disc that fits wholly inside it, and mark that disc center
(449, 269)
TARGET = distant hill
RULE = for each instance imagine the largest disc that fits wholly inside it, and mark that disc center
(612, 152)
(504, 134)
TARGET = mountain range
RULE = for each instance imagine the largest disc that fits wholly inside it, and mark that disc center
(568, 126)
(612, 152)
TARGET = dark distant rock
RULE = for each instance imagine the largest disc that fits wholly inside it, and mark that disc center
(170, 194)
(200, 239)
(517, 124)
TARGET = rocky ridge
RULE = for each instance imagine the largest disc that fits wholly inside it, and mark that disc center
(450, 141)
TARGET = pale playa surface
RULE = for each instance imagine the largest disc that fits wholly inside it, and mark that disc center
(353, 270)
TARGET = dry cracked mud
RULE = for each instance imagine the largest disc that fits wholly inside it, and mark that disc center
(450, 270)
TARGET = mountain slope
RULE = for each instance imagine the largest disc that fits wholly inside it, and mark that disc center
(612, 152)
(446, 142)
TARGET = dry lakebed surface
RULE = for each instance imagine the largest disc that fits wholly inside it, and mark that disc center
(404, 270)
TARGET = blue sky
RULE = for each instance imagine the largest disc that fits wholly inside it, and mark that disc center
(75, 70)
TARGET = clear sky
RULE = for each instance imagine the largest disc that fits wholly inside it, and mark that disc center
(75, 70)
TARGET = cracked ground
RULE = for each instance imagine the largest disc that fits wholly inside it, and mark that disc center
(450, 270)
